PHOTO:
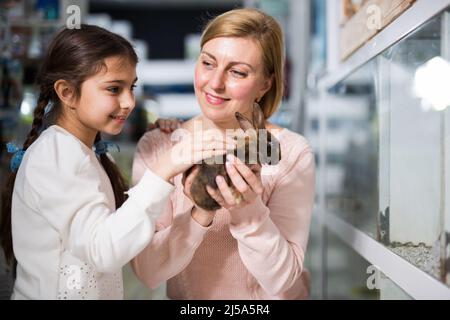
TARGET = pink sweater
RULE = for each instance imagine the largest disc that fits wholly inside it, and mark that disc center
(256, 256)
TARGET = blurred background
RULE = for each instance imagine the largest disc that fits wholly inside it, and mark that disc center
(367, 85)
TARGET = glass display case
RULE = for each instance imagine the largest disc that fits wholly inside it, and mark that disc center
(387, 150)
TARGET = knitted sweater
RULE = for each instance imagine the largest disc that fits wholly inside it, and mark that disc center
(257, 253)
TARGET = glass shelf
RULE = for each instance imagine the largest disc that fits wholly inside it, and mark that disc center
(387, 158)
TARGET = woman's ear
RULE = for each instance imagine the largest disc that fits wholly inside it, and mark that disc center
(267, 84)
(65, 92)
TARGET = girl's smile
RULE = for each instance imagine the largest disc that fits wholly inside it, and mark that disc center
(119, 118)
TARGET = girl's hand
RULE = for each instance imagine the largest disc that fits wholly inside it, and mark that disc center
(166, 125)
(188, 152)
(246, 180)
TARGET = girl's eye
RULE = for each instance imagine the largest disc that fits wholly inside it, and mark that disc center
(133, 87)
(113, 89)
(238, 74)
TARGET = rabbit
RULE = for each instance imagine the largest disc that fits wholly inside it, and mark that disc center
(210, 168)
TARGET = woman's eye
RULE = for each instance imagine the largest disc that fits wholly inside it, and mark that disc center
(133, 87)
(207, 64)
(239, 74)
(113, 89)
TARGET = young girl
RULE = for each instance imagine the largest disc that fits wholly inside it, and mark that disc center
(65, 212)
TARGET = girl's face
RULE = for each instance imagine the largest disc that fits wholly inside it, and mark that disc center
(229, 77)
(107, 98)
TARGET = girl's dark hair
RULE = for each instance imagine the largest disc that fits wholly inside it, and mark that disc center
(74, 55)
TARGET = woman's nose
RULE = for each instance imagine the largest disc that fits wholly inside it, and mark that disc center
(217, 82)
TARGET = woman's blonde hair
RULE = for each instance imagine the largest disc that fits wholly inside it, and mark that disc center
(265, 30)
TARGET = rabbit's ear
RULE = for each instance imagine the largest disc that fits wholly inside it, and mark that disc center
(258, 117)
(244, 123)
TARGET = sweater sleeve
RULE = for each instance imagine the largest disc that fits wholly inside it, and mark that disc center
(177, 235)
(272, 238)
(64, 185)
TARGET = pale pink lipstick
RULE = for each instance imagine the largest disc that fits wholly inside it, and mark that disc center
(215, 100)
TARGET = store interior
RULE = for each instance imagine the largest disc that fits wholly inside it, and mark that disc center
(371, 102)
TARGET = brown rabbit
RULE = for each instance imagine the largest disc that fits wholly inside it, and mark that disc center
(258, 145)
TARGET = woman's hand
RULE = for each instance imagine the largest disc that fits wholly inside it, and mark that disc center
(246, 180)
(203, 217)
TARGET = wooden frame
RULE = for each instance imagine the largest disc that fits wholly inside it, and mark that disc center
(371, 18)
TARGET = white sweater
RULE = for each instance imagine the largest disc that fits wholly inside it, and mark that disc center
(69, 240)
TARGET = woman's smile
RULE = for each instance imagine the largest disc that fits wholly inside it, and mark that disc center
(215, 100)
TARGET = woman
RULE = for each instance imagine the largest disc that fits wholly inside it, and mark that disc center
(254, 249)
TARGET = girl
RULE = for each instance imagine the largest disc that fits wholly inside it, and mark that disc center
(65, 212)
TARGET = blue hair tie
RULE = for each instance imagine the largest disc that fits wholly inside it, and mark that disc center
(16, 158)
(102, 147)
(48, 108)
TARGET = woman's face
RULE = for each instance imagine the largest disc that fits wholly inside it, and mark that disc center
(229, 77)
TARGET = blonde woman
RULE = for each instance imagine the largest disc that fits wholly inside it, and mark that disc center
(254, 249)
